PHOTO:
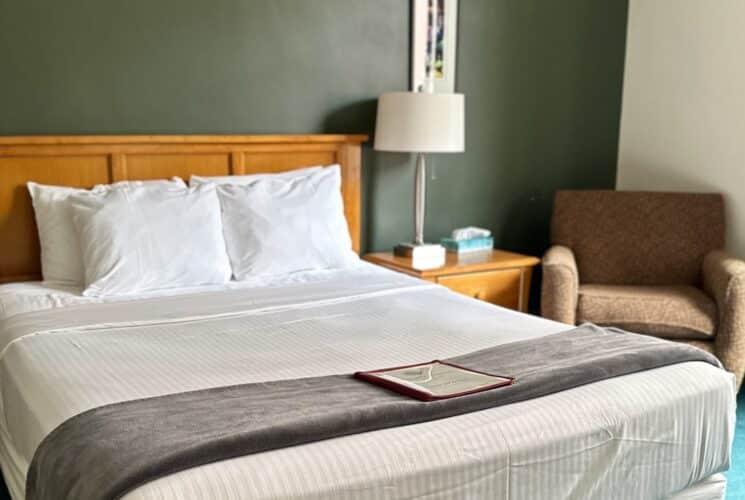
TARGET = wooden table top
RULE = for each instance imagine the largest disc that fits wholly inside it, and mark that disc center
(457, 264)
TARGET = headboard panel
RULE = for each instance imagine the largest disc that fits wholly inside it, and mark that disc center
(83, 161)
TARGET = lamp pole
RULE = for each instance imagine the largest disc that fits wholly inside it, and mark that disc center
(420, 182)
(420, 199)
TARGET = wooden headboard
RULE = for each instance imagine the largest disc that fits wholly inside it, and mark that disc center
(83, 161)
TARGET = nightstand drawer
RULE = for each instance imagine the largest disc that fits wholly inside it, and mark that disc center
(501, 287)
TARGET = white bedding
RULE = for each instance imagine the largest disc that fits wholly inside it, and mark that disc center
(644, 435)
(30, 296)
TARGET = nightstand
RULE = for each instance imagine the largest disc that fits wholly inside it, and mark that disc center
(502, 278)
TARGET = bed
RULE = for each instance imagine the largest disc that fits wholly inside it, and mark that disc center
(662, 433)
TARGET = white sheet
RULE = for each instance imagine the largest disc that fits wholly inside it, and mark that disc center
(645, 435)
(28, 296)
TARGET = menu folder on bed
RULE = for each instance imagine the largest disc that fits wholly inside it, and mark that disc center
(434, 380)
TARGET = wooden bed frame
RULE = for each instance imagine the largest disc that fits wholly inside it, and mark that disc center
(83, 161)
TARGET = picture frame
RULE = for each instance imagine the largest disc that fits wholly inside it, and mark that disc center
(438, 20)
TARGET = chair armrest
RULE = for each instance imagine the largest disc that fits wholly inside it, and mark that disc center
(724, 280)
(560, 285)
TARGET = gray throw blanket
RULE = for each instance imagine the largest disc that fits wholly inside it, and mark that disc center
(106, 452)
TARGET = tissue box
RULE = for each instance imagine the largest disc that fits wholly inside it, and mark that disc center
(470, 245)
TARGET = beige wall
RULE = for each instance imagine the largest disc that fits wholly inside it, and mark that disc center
(683, 116)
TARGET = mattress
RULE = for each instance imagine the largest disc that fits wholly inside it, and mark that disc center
(646, 435)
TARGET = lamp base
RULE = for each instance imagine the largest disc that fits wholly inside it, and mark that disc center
(420, 251)
(423, 256)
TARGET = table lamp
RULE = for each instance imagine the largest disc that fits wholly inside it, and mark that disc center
(419, 122)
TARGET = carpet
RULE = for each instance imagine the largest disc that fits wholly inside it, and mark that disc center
(736, 473)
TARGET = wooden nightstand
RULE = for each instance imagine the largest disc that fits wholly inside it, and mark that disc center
(502, 278)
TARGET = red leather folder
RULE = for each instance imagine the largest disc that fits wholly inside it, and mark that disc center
(374, 377)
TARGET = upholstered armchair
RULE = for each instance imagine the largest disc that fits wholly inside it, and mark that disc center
(649, 263)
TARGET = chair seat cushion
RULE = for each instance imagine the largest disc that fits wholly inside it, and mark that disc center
(674, 312)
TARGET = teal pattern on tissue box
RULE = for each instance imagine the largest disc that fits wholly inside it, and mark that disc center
(470, 245)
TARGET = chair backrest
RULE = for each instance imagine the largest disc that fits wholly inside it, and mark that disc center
(639, 238)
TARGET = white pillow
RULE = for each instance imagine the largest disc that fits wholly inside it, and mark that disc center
(61, 262)
(277, 226)
(240, 180)
(135, 239)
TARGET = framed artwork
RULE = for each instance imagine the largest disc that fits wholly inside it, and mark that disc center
(433, 40)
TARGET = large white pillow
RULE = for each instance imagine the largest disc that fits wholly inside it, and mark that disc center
(195, 180)
(276, 226)
(135, 239)
(61, 261)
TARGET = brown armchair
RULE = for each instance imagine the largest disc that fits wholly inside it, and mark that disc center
(649, 263)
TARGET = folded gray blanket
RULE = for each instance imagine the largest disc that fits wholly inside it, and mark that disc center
(106, 452)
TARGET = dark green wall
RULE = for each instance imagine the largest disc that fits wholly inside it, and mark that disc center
(542, 80)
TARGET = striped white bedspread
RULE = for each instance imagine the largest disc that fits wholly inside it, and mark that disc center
(645, 435)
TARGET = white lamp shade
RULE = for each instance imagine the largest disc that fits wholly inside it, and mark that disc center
(420, 122)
